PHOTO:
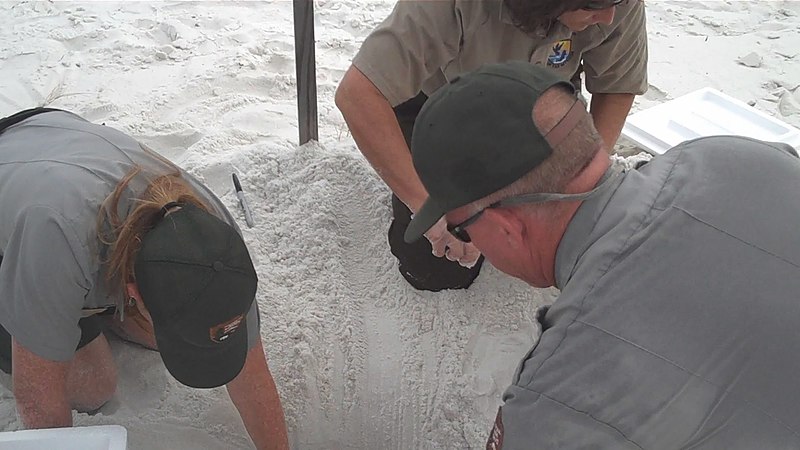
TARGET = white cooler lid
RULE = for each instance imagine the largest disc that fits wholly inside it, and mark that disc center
(100, 437)
(704, 112)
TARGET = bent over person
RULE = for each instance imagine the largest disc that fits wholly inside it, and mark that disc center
(97, 231)
(676, 324)
(423, 45)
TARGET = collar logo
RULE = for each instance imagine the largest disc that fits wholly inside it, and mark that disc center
(560, 53)
(219, 333)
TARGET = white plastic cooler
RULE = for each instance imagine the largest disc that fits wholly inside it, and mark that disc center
(101, 437)
(705, 112)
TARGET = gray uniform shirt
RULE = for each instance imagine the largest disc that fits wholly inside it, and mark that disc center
(56, 169)
(678, 321)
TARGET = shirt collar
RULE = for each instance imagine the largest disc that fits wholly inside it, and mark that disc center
(579, 233)
(507, 18)
(505, 14)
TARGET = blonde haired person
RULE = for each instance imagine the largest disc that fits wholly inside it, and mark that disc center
(95, 231)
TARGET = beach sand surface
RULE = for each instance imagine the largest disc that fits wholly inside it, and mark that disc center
(361, 360)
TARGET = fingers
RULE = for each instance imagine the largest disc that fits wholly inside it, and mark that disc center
(438, 235)
(439, 247)
(471, 255)
(465, 254)
(455, 250)
(443, 244)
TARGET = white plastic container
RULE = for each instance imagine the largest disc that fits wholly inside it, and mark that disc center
(704, 112)
(101, 437)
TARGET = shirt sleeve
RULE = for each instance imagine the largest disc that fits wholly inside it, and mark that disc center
(412, 45)
(43, 284)
(253, 321)
(619, 64)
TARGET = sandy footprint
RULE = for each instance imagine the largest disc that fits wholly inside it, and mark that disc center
(99, 113)
(173, 144)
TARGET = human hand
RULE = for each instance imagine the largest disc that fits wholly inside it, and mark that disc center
(445, 244)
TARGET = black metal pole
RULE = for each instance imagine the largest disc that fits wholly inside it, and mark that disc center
(306, 70)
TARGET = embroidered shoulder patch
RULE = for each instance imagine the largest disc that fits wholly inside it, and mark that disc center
(560, 53)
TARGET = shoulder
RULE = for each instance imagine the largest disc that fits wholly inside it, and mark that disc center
(476, 12)
(428, 13)
(628, 13)
(735, 154)
(629, 20)
(45, 229)
(61, 137)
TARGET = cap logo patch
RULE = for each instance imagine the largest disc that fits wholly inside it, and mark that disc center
(219, 333)
(560, 53)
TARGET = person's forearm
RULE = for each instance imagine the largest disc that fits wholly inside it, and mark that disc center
(53, 415)
(375, 129)
(255, 396)
(40, 390)
(609, 112)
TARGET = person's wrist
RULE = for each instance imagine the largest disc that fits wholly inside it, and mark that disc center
(414, 207)
(415, 202)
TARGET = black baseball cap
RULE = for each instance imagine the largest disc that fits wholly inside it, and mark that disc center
(476, 135)
(198, 283)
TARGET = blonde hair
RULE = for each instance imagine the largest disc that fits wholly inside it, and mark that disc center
(124, 236)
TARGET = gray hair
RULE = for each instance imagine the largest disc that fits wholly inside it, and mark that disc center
(569, 157)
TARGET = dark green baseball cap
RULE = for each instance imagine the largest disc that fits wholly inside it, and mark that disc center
(198, 283)
(476, 135)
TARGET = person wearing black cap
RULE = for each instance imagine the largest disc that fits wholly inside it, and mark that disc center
(423, 45)
(97, 230)
(676, 324)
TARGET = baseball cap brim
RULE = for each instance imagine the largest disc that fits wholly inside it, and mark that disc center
(202, 367)
(424, 219)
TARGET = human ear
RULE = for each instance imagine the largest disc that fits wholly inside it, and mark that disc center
(133, 294)
(509, 224)
(132, 291)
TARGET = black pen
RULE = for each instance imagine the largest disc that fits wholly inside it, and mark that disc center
(248, 215)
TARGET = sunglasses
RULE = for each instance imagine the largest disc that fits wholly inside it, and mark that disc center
(597, 5)
(459, 230)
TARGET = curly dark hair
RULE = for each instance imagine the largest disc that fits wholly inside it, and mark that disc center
(528, 15)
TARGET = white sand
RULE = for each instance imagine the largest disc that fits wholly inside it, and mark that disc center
(361, 360)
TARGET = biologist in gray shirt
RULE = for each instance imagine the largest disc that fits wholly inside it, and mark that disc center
(97, 231)
(677, 322)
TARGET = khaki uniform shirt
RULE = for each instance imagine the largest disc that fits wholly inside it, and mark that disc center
(423, 44)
